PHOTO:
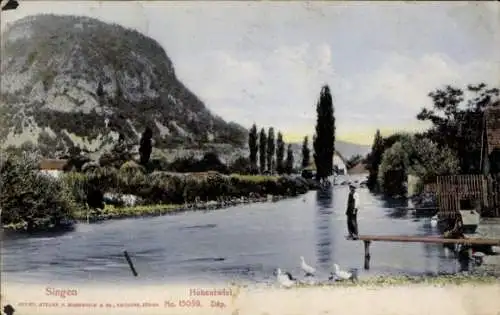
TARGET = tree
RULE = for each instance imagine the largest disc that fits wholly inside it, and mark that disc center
(374, 160)
(211, 162)
(262, 150)
(253, 146)
(280, 153)
(457, 123)
(289, 160)
(146, 146)
(353, 161)
(420, 157)
(28, 196)
(271, 146)
(119, 154)
(305, 153)
(100, 90)
(240, 166)
(75, 159)
(324, 140)
(10, 5)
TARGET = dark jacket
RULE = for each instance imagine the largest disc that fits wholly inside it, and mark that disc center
(456, 228)
(351, 205)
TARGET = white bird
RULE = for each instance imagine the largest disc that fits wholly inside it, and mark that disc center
(332, 277)
(478, 257)
(284, 279)
(434, 221)
(307, 269)
(342, 274)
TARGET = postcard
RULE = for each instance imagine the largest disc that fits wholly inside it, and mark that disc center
(249, 157)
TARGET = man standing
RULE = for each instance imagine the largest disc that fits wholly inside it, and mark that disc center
(352, 212)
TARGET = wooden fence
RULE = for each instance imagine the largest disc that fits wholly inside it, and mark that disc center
(453, 192)
(494, 195)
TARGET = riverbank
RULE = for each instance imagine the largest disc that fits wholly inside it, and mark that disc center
(468, 297)
(111, 212)
(129, 193)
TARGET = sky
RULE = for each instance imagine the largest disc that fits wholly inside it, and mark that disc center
(265, 62)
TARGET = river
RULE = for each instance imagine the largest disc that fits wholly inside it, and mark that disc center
(243, 243)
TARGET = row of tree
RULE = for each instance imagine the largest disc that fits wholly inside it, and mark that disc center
(267, 155)
(453, 145)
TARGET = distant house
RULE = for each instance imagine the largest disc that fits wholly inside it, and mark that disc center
(52, 167)
(359, 168)
(339, 163)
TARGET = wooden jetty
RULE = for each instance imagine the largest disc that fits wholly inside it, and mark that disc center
(368, 239)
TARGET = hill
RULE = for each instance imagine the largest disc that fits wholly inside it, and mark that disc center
(346, 150)
(70, 80)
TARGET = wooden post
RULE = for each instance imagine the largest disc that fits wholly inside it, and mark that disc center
(131, 265)
(367, 254)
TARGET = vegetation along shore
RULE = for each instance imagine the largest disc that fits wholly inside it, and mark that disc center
(33, 200)
(126, 181)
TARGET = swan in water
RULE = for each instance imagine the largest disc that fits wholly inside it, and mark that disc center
(342, 274)
(434, 221)
(307, 269)
(284, 279)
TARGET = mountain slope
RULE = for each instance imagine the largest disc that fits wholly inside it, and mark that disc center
(76, 80)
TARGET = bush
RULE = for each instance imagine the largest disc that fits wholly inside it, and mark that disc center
(241, 166)
(209, 162)
(31, 197)
(131, 178)
(420, 157)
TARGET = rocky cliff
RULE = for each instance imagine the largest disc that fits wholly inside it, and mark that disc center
(70, 80)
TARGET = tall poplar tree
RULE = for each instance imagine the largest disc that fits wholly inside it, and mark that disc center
(146, 146)
(324, 140)
(374, 159)
(262, 150)
(289, 160)
(254, 148)
(306, 153)
(271, 147)
(280, 153)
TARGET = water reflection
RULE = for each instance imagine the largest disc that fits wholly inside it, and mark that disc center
(324, 209)
(397, 208)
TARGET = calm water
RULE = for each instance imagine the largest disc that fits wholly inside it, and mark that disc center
(244, 243)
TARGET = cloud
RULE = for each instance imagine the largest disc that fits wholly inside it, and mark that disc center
(266, 63)
(280, 87)
(402, 83)
(277, 88)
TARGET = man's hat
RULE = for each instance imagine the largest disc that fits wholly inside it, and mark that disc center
(352, 186)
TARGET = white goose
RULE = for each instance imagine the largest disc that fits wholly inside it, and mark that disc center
(478, 257)
(342, 274)
(307, 269)
(284, 279)
(434, 221)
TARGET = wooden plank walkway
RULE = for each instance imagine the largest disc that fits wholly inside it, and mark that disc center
(429, 239)
(368, 239)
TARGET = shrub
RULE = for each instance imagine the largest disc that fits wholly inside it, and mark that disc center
(209, 162)
(131, 178)
(420, 157)
(31, 197)
(241, 166)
